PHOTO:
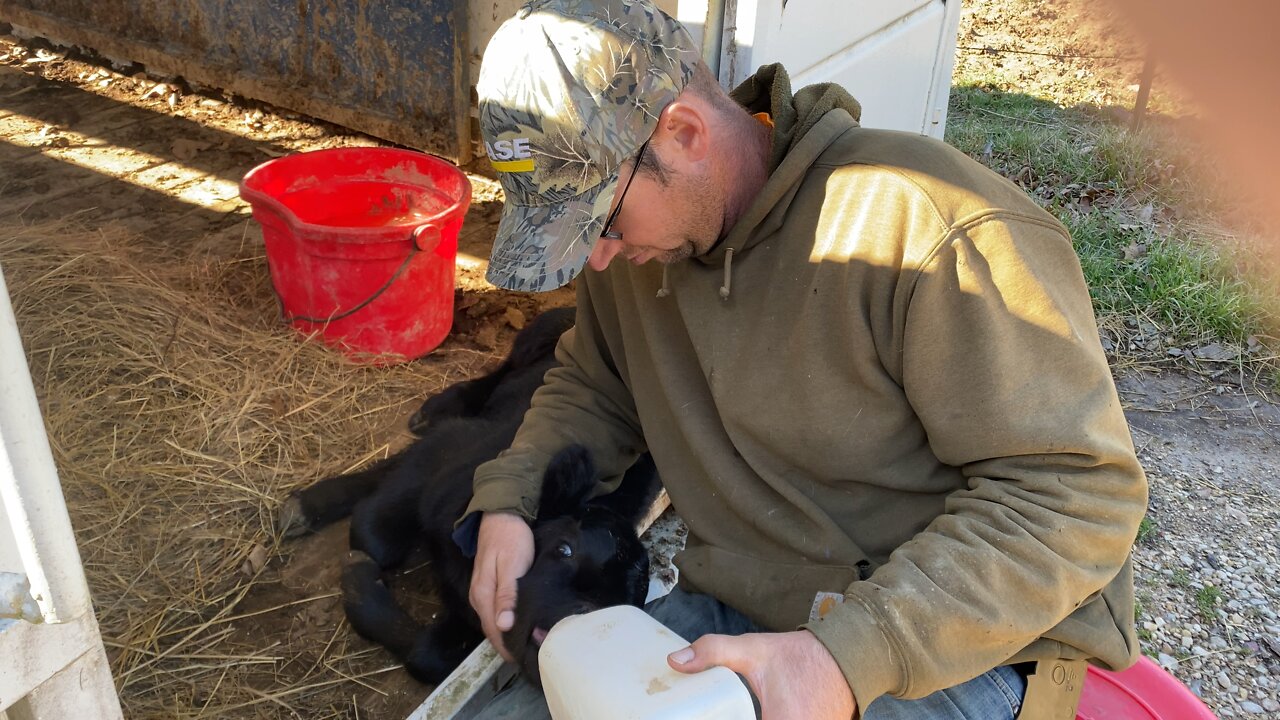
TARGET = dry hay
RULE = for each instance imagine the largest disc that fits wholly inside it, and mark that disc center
(180, 412)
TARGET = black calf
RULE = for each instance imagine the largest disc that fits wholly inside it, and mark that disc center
(587, 553)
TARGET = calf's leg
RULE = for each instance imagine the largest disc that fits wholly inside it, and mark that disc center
(330, 500)
(429, 652)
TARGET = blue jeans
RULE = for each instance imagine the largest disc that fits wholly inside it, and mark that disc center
(993, 695)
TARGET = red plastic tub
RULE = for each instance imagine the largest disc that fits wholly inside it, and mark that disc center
(1143, 692)
(361, 244)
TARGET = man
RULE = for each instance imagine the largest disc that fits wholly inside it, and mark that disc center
(867, 368)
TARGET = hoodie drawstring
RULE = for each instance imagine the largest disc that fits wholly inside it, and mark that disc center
(665, 290)
(728, 273)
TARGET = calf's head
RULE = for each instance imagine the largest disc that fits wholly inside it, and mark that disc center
(587, 557)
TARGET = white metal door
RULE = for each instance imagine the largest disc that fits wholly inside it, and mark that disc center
(52, 663)
(895, 56)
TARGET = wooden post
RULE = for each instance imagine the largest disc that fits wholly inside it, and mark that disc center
(1144, 91)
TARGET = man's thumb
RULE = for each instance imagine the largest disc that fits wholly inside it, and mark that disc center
(712, 651)
(504, 605)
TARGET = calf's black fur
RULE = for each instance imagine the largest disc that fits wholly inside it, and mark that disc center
(587, 553)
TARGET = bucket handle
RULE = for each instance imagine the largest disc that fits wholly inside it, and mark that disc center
(423, 238)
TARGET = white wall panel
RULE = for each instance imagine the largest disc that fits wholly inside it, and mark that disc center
(895, 56)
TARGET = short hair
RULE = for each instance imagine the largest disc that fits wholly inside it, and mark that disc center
(704, 85)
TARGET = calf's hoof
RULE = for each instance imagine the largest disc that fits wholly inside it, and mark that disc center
(292, 520)
(362, 581)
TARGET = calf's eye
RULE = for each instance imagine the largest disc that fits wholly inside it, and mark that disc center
(565, 550)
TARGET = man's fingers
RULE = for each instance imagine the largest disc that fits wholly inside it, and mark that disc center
(504, 605)
(483, 580)
(494, 634)
(504, 554)
(727, 651)
(483, 583)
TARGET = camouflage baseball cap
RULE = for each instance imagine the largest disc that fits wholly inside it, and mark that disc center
(569, 90)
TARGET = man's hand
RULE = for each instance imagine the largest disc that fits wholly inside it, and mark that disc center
(504, 553)
(792, 674)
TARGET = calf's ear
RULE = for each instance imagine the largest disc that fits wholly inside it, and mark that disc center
(567, 484)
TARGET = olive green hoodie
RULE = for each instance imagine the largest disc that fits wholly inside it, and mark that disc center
(884, 386)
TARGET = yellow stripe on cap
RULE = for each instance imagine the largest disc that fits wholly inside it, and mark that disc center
(525, 165)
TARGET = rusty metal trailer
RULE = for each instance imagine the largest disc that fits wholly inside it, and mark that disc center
(403, 70)
(396, 69)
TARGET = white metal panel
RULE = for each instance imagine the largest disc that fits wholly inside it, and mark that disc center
(36, 656)
(10, 560)
(894, 56)
(34, 653)
(30, 494)
(804, 33)
(81, 689)
(890, 73)
(940, 89)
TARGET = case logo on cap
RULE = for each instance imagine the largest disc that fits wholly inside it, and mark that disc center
(510, 155)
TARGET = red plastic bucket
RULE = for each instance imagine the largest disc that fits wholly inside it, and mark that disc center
(1143, 692)
(361, 244)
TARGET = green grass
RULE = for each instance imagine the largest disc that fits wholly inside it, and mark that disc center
(1181, 578)
(1183, 286)
(1146, 529)
(1169, 272)
(1207, 599)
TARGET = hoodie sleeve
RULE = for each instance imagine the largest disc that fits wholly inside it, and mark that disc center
(1001, 361)
(584, 401)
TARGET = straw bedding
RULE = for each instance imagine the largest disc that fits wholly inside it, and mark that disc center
(181, 412)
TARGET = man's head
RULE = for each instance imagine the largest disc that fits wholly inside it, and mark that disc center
(569, 92)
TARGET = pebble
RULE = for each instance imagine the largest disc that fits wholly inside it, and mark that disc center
(1231, 656)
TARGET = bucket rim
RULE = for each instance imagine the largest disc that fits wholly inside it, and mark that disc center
(257, 198)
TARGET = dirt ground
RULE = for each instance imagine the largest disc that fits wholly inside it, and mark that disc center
(116, 147)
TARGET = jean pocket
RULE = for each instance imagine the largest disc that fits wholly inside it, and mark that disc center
(1011, 684)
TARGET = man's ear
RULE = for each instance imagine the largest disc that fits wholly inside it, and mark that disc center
(684, 133)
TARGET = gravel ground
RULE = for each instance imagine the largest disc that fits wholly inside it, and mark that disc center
(664, 538)
(1207, 578)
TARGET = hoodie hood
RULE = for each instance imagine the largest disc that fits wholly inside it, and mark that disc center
(769, 91)
(804, 125)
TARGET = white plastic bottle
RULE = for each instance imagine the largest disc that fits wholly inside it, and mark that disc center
(612, 665)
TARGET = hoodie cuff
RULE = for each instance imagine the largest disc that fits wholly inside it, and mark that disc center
(502, 494)
(852, 634)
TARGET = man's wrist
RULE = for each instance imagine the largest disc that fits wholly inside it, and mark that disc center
(829, 667)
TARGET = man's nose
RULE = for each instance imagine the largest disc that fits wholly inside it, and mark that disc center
(604, 251)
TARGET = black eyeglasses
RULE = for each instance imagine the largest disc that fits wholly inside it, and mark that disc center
(608, 232)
